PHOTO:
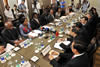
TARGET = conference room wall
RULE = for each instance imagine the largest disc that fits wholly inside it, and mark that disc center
(45, 2)
(68, 2)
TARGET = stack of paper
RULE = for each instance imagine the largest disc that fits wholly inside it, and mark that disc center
(63, 17)
(16, 49)
(57, 45)
(57, 20)
(33, 34)
(9, 47)
(47, 27)
(37, 31)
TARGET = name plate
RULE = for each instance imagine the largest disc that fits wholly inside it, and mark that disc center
(46, 50)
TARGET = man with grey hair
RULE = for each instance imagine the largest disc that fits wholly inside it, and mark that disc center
(11, 35)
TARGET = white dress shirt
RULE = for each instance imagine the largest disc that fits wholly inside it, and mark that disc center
(77, 55)
(8, 13)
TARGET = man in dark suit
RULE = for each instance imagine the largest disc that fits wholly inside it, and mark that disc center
(2, 45)
(84, 20)
(11, 35)
(51, 16)
(44, 18)
(79, 59)
(82, 33)
(35, 23)
(91, 25)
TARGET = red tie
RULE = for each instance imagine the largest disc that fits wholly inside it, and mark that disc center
(72, 57)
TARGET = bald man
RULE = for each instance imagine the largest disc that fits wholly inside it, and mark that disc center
(11, 34)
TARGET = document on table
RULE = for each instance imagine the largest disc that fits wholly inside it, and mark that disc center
(9, 47)
(52, 23)
(63, 17)
(37, 31)
(47, 27)
(34, 58)
(57, 45)
(33, 34)
(16, 49)
(57, 20)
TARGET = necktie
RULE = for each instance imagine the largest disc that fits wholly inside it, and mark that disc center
(72, 57)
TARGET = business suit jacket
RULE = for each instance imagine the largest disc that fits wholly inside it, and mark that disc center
(2, 42)
(1, 27)
(10, 35)
(50, 18)
(44, 19)
(34, 24)
(80, 61)
(91, 26)
(83, 35)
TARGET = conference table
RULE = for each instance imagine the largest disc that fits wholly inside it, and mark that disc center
(29, 52)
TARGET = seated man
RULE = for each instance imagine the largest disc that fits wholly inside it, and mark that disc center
(2, 45)
(51, 16)
(44, 18)
(11, 35)
(79, 59)
(84, 20)
(35, 23)
(78, 31)
(91, 25)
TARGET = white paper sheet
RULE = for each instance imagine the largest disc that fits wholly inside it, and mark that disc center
(57, 45)
(47, 27)
(37, 31)
(34, 58)
(9, 47)
(33, 34)
(57, 20)
(16, 49)
(63, 17)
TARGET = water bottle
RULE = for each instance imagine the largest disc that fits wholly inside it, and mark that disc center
(17, 64)
(22, 60)
(2, 60)
(8, 57)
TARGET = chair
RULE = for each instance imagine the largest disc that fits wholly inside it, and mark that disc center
(90, 51)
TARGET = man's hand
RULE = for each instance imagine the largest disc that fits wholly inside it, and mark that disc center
(2, 49)
(17, 42)
(51, 57)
